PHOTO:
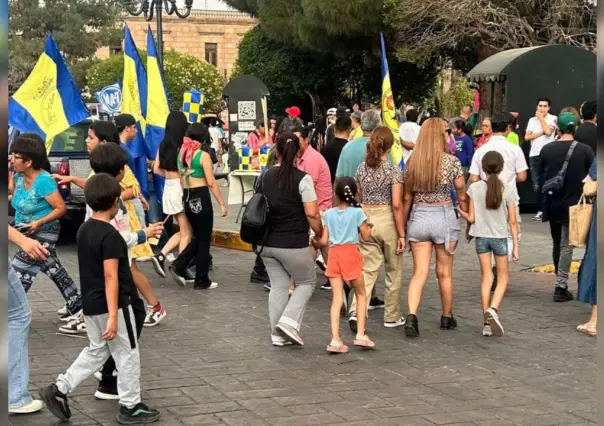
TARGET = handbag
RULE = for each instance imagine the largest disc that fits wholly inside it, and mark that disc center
(254, 222)
(556, 183)
(580, 217)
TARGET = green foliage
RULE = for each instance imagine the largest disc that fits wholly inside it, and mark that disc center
(79, 27)
(181, 72)
(452, 92)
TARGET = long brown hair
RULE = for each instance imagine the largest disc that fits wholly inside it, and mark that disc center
(380, 143)
(423, 172)
(492, 164)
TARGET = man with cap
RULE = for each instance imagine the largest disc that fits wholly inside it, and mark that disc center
(341, 111)
(292, 120)
(557, 201)
(126, 126)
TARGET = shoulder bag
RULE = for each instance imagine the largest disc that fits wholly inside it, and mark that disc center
(555, 184)
(254, 222)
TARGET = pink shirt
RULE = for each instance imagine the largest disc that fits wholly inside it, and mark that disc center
(254, 141)
(314, 164)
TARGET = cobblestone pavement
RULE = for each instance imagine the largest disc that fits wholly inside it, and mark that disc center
(210, 362)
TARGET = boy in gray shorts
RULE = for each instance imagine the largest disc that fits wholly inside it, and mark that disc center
(108, 293)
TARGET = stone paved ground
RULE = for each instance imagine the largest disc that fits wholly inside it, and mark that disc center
(210, 362)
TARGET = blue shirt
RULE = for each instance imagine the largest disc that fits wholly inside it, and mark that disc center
(464, 150)
(352, 155)
(343, 224)
(30, 205)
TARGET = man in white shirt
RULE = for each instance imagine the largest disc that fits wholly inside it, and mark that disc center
(540, 130)
(216, 136)
(409, 131)
(514, 166)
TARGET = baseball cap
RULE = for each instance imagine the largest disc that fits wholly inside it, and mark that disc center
(331, 111)
(124, 120)
(294, 111)
(567, 122)
(342, 111)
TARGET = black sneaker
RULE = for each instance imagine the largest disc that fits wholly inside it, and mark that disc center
(376, 303)
(178, 277)
(259, 278)
(448, 323)
(412, 326)
(56, 402)
(352, 321)
(562, 295)
(107, 390)
(139, 414)
(159, 264)
(494, 285)
(326, 286)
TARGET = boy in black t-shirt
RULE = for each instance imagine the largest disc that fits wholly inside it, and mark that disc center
(108, 293)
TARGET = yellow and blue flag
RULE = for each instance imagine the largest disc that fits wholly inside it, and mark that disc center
(48, 102)
(192, 105)
(158, 107)
(388, 107)
(134, 102)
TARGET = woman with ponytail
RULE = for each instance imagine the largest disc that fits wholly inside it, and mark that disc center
(381, 192)
(293, 207)
(492, 211)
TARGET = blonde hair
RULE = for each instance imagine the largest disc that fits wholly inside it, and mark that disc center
(423, 172)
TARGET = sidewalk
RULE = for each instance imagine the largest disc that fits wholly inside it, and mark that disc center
(210, 362)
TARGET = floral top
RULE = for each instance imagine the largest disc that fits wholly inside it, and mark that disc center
(376, 184)
(451, 169)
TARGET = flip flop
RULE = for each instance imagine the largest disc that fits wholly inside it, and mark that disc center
(364, 342)
(337, 349)
(588, 329)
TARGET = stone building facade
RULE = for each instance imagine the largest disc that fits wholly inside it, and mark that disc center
(212, 35)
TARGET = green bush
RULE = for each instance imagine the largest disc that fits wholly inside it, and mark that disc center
(181, 72)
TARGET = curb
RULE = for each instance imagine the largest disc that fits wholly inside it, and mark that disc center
(550, 269)
(229, 240)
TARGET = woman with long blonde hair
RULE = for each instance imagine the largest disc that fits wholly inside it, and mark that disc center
(432, 219)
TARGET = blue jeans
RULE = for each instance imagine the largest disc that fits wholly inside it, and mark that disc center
(534, 165)
(497, 246)
(19, 319)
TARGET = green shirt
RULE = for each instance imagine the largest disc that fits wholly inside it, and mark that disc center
(513, 138)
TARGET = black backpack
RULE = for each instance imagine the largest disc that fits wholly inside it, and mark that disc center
(254, 222)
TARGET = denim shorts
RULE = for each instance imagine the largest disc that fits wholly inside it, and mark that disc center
(497, 246)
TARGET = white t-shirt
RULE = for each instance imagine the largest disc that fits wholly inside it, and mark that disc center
(408, 132)
(513, 157)
(534, 126)
(216, 138)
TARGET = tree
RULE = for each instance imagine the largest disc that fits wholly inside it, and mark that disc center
(181, 72)
(80, 27)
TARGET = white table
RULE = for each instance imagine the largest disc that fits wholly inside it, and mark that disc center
(241, 188)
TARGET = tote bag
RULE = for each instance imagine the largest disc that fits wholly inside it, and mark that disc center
(579, 222)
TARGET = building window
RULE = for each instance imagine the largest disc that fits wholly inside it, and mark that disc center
(212, 53)
(115, 50)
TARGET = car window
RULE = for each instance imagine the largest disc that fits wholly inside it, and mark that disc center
(71, 140)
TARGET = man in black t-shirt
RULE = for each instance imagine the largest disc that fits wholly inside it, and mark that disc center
(557, 202)
(332, 151)
(108, 293)
(587, 132)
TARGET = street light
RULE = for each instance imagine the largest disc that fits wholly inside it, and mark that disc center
(148, 8)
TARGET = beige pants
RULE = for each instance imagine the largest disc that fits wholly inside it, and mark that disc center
(382, 249)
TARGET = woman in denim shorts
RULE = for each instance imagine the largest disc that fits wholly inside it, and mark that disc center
(432, 219)
(492, 211)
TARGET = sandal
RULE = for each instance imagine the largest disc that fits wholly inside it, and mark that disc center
(587, 328)
(364, 342)
(341, 348)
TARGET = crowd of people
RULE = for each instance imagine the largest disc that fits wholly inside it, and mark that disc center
(337, 201)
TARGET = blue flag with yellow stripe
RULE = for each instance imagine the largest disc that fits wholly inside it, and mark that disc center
(48, 102)
(158, 107)
(134, 102)
(388, 107)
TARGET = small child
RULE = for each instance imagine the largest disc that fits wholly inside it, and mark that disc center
(492, 209)
(345, 263)
(108, 293)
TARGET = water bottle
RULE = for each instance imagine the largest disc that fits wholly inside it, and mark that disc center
(64, 188)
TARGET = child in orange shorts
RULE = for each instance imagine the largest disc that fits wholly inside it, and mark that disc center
(342, 225)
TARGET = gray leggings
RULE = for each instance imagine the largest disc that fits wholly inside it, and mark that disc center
(281, 265)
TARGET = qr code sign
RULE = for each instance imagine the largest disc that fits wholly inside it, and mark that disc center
(246, 110)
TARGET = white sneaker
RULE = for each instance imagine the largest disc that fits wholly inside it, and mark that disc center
(213, 285)
(279, 341)
(33, 407)
(170, 258)
(395, 323)
(68, 317)
(75, 326)
(154, 317)
(486, 331)
(493, 320)
(63, 311)
(538, 216)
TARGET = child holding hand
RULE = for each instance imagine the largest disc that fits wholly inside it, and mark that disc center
(345, 263)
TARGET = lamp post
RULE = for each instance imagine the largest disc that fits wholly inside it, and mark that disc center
(149, 8)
